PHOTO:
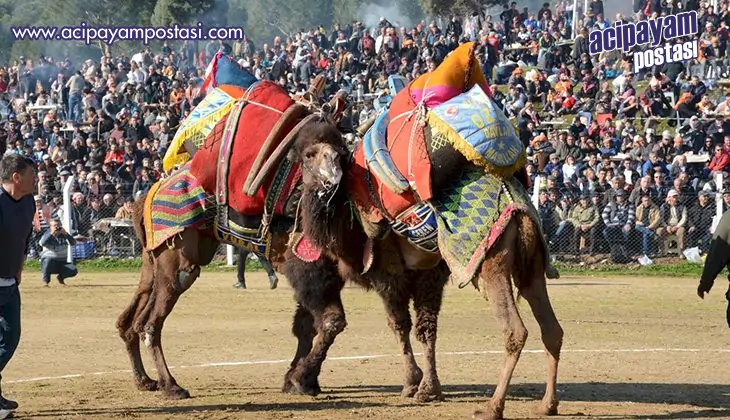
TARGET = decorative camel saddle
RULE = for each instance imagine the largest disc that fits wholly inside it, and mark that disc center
(238, 178)
(391, 178)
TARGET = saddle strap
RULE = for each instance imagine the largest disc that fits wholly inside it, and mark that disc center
(279, 153)
(224, 154)
(287, 119)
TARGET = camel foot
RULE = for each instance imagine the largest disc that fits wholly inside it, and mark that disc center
(413, 380)
(409, 391)
(301, 384)
(488, 414)
(146, 384)
(546, 408)
(429, 391)
(176, 392)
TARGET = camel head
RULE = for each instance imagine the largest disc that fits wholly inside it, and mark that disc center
(320, 148)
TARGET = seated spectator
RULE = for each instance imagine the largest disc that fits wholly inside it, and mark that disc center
(125, 212)
(619, 217)
(719, 162)
(700, 222)
(55, 243)
(648, 220)
(583, 217)
(674, 219)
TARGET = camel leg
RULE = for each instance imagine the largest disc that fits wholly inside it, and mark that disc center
(533, 289)
(176, 271)
(495, 284)
(167, 295)
(303, 330)
(317, 288)
(399, 320)
(429, 290)
(125, 326)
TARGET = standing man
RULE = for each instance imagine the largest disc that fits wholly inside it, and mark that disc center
(718, 258)
(17, 210)
(241, 284)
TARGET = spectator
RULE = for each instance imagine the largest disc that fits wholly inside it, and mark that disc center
(700, 222)
(619, 217)
(674, 219)
(583, 218)
(55, 243)
(648, 221)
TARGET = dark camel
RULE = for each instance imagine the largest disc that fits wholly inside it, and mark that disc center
(168, 272)
(518, 258)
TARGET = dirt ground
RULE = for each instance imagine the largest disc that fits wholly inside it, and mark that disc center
(644, 348)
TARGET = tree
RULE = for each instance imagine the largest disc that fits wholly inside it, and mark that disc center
(169, 12)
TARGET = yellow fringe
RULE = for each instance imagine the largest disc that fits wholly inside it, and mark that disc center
(470, 153)
(149, 233)
(197, 130)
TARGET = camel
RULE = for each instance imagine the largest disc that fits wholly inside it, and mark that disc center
(519, 258)
(168, 271)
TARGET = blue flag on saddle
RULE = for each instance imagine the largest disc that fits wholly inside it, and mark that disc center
(477, 128)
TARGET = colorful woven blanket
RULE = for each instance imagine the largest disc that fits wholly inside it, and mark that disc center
(265, 103)
(472, 215)
(174, 204)
(477, 128)
(200, 123)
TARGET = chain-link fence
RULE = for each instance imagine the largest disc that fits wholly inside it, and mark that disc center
(650, 221)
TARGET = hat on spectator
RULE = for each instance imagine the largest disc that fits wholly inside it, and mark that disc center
(666, 134)
(553, 156)
(46, 156)
(672, 193)
(37, 198)
(704, 192)
(64, 173)
(621, 193)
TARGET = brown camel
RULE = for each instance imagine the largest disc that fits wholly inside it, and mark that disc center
(519, 258)
(167, 272)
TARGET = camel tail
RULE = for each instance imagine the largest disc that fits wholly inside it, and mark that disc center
(530, 260)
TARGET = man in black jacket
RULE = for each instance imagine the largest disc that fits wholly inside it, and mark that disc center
(700, 222)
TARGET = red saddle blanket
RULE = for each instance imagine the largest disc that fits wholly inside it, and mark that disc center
(407, 147)
(266, 102)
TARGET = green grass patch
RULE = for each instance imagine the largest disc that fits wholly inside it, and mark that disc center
(134, 264)
(679, 269)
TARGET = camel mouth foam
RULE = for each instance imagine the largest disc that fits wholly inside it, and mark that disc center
(627, 36)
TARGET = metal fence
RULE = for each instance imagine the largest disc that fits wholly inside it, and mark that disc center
(651, 225)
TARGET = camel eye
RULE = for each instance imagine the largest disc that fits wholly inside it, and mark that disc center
(310, 154)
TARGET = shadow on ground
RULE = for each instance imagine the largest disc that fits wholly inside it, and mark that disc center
(711, 400)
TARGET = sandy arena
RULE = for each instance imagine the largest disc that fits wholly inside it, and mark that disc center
(644, 348)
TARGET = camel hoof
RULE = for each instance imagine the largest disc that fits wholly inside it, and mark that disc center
(147, 385)
(301, 388)
(176, 393)
(489, 414)
(409, 391)
(428, 396)
(544, 409)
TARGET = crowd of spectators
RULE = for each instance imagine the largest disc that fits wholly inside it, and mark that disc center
(622, 156)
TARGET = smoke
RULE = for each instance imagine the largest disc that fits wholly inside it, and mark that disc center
(370, 15)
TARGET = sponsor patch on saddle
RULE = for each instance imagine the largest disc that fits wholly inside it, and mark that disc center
(304, 249)
(476, 127)
(418, 224)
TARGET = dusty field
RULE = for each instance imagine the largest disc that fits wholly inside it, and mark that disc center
(634, 348)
